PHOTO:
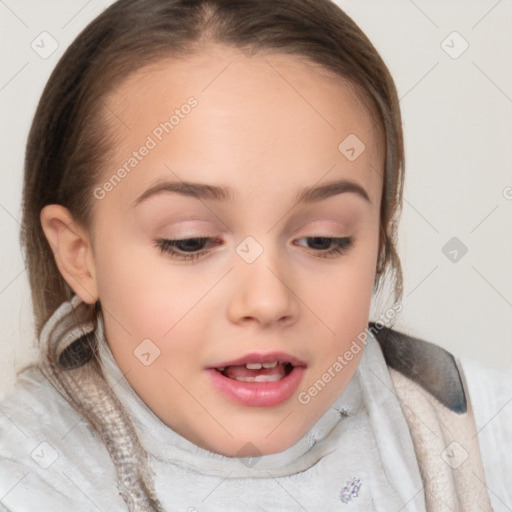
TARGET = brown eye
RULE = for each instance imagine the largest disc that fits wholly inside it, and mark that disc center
(328, 246)
(186, 248)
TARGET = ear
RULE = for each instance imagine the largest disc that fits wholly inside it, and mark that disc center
(72, 249)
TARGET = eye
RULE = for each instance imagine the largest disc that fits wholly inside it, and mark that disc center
(187, 248)
(328, 246)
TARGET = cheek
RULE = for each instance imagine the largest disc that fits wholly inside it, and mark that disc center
(359, 279)
(143, 293)
(345, 305)
(347, 291)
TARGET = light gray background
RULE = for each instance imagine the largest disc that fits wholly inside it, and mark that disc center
(457, 116)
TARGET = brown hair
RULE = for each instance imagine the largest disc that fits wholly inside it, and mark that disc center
(69, 141)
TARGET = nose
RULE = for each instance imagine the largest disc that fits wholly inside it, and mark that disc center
(262, 294)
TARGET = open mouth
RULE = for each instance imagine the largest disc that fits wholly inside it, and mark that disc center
(257, 372)
(258, 380)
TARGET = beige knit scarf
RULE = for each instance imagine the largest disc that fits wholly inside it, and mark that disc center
(447, 450)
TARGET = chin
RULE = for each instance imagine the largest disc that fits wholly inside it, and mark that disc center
(251, 447)
(255, 439)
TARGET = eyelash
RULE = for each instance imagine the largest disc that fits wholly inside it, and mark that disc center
(341, 245)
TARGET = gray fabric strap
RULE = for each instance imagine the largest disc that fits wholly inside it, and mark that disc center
(429, 365)
(430, 386)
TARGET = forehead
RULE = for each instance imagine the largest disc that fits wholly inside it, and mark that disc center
(272, 118)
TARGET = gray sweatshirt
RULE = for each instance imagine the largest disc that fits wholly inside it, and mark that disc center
(358, 456)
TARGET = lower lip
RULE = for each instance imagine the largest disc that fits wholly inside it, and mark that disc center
(258, 394)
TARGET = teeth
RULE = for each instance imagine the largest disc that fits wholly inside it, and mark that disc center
(260, 378)
(254, 366)
(258, 366)
(267, 378)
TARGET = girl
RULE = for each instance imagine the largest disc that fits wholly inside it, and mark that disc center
(211, 198)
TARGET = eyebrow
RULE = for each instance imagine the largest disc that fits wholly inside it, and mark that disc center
(204, 191)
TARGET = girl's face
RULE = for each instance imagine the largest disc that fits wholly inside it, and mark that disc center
(283, 162)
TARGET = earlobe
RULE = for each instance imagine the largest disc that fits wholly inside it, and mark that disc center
(72, 250)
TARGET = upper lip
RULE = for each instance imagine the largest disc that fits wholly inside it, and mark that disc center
(252, 358)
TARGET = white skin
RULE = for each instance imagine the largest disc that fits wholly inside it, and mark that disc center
(268, 127)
